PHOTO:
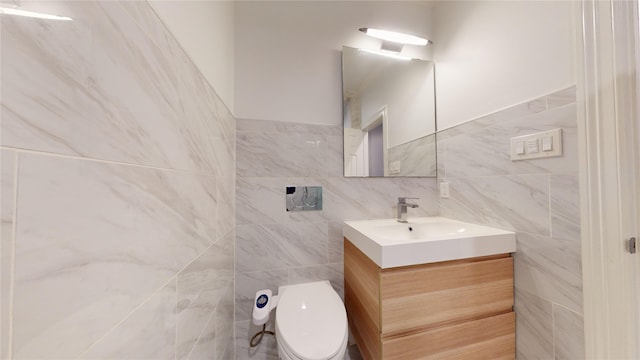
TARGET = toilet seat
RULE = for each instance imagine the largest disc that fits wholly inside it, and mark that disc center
(311, 322)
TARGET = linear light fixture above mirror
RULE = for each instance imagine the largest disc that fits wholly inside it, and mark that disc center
(387, 54)
(395, 37)
(32, 14)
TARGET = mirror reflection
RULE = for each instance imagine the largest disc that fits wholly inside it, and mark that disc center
(389, 115)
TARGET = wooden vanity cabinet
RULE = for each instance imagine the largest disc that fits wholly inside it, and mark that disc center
(460, 309)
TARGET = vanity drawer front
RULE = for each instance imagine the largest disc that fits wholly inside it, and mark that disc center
(488, 338)
(426, 296)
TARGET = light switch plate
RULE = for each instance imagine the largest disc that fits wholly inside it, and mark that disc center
(539, 145)
(444, 190)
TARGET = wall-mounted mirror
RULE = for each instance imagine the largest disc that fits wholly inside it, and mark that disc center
(389, 115)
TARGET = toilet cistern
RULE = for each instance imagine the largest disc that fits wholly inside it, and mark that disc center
(402, 208)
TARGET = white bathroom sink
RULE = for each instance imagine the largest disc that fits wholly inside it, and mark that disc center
(424, 240)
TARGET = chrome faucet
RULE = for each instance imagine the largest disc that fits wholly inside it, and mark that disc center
(402, 208)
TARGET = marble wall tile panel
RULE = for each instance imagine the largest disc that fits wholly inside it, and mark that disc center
(150, 24)
(565, 207)
(441, 153)
(417, 158)
(201, 130)
(248, 283)
(568, 332)
(201, 286)
(281, 154)
(260, 200)
(374, 198)
(335, 158)
(510, 202)
(487, 151)
(550, 268)
(66, 93)
(45, 74)
(98, 87)
(225, 326)
(204, 347)
(513, 112)
(336, 242)
(556, 99)
(332, 272)
(534, 327)
(280, 149)
(8, 163)
(147, 333)
(561, 98)
(283, 127)
(226, 211)
(266, 350)
(276, 246)
(96, 239)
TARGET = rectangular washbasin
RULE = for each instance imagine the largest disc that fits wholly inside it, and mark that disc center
(425, 240)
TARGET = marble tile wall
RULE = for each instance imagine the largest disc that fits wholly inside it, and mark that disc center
(275, 247)
(118, 182)
(539, 199)
(417, 157)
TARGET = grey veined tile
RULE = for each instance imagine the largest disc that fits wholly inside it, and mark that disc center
(225, 326)
(550, 268)
(518, 203)
(281, 154)
(565, 207)
(276, 246)
(568, 334)
(534, 327)
(487, 152)
(201, 286)
(8, 161)
(260, 200)
(248, 283)
(97, 87)
(331, 272)
(105, 237)
(148, 333)
(266, 350)
(562, 97)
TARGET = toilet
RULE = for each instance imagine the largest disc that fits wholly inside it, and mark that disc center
(311, 322)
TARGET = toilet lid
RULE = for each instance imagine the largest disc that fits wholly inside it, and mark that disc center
(311, 320)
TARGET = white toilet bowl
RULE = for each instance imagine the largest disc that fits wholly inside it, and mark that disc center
(311, 322)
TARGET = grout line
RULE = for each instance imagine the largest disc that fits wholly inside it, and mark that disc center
(127, 316)
(550, 210)
(12, 265)
(175, 318)
(568, 309)
(146, 300)
(553, 329)
(512, 175)
(110, 162)
(202, 331)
